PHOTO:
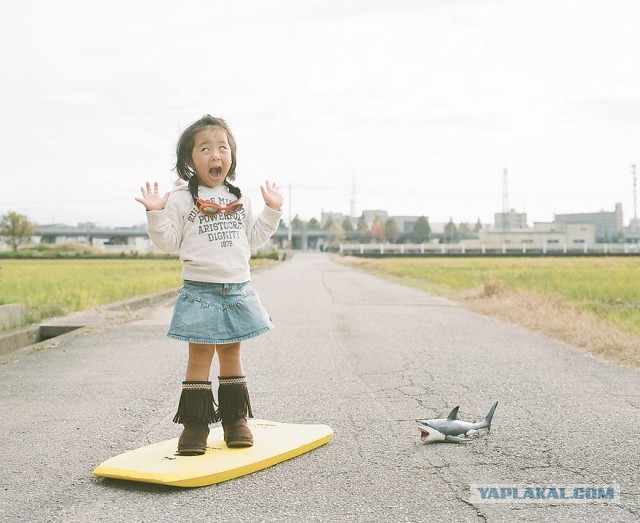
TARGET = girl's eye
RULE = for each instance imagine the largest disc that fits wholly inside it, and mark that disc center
(205, 149)
(223, 147)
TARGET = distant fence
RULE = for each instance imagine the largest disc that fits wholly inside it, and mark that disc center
(460, 249)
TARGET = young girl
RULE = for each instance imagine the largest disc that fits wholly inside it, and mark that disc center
(214, 228)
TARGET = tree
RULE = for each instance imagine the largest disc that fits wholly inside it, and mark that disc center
(336, 232)
(464, 230)
(337, 229)
(422, 230)
(391, 231)
(347, 229)
(297, 224)
(16, 229)
(362, 226)
(347, 225)
(450, 232)
(478, 226)
(313, 225)
(377, 230)
(329, 224)
(362, 229)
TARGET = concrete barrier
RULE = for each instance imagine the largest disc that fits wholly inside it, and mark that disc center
(19, 338)
(11, 315)
(54, 327)
(143, 301)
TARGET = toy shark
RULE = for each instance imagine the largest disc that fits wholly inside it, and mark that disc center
(452, 429)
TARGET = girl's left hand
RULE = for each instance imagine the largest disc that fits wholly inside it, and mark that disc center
(272, 196)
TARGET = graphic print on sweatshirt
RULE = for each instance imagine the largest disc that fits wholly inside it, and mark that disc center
(222, 227)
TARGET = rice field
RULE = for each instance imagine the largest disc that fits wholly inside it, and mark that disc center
(54, 287)
(57, 287)
(605, 287)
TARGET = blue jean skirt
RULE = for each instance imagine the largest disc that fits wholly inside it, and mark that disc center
(216, 313)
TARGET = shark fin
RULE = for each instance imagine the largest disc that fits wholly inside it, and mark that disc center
(489, 417)
(457, 439)
(454, 413)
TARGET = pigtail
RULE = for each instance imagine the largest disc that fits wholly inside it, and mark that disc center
(193, 187)
(233, 189)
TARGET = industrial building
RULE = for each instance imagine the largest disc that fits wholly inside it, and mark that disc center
(608, 225)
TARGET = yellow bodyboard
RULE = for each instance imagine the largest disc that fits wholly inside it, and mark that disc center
(158, 463)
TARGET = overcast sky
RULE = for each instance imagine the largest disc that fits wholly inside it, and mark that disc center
(421, 103)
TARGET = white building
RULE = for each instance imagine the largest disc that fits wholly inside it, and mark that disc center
(510, 221)
(541, 234)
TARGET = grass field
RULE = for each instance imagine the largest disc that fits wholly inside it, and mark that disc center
(56, 287)
(606, 288)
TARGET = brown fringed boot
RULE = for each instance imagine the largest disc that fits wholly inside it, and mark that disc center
(235, 406)
(195, 411)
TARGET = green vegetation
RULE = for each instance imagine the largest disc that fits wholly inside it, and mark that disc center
(74, 250)
(52, 287)
(607, 287)
(16, 229)
(83, 251)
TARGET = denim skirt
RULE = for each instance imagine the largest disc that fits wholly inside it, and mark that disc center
(216, 313)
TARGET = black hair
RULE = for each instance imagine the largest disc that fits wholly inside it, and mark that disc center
(193, 188)
(185, 147)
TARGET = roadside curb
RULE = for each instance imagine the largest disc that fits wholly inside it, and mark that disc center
(140, 302)
(50, 331)
(31, 336)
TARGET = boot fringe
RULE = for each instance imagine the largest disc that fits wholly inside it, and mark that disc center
(233, 397)
(196, 406)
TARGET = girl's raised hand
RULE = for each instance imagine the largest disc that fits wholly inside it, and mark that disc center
(272, 196)
(152, 200)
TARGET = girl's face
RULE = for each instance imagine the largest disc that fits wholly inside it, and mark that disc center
(211, 156)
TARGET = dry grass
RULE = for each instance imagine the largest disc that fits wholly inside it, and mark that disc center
(550, 316)
(543, 312)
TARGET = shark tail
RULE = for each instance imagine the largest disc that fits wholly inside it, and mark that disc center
(489, 417)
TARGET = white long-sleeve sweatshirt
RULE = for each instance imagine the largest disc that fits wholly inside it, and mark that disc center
(212, 248)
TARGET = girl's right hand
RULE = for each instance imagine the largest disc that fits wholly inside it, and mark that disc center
(152, 200)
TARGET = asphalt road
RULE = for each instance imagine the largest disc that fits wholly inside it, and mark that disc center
(361, 354)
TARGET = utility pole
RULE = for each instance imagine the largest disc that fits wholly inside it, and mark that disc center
(635, 196)
(506, 221)
(290, 232)
(505, 193)
(352, 203)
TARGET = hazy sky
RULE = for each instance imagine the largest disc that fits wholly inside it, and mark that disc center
(423, 103)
